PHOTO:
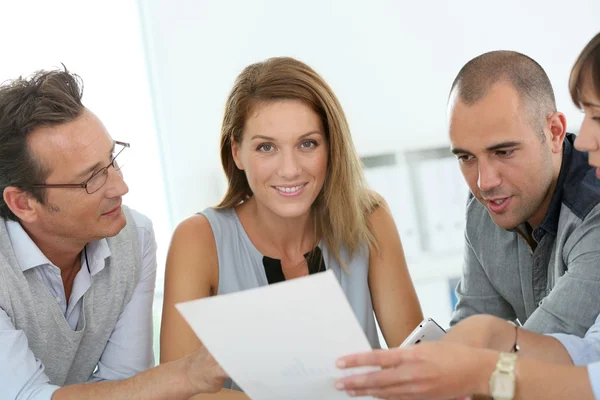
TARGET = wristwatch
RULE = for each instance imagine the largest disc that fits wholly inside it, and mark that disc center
(503, 380)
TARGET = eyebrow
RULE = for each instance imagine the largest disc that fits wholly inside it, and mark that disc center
(91, 169)
(495, 147)
(588, 104)
(271, 138)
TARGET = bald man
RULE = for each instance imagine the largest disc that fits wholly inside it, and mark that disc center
(532, 238)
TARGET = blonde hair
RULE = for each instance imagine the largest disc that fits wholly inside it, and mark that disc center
(342, 208)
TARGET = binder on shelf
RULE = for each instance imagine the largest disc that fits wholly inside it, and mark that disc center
(457, 194)
(442, 198)
(393, 183)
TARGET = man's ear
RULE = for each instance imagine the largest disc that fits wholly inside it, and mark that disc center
(235, 152)
(21, 203)
(557, 125)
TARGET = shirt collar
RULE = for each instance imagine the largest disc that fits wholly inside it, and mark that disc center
(550, 222)
(29, 255)
(97, 253)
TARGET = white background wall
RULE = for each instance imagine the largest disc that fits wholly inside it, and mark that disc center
(390, 62)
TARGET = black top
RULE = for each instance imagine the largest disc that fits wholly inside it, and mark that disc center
(274, 273)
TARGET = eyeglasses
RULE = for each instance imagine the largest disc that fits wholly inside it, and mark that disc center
(98, 179)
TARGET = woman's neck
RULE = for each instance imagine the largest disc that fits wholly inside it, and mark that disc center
(282, 237)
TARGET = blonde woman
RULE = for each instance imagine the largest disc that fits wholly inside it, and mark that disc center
(297, 204)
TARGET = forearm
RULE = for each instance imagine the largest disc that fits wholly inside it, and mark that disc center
(167, 381)
(224, 394)
(552, 381)
(479, 331)
(538, 380)
(531, 345)
(485, 331)
(540, 347)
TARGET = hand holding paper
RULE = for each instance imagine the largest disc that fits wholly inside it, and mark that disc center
(281, 341)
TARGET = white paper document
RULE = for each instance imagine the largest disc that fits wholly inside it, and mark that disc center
(281, 341)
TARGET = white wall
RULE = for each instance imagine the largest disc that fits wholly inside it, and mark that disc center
(390, 62)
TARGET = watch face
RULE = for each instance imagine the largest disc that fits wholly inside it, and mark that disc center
(503, 386)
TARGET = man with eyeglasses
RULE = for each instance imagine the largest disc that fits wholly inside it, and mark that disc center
(77, 267)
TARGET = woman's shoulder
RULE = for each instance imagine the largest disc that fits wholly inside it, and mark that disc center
(192, 261)
(196, 230)
(210, 229)
(192, 254)
(213, 213)
(379, 212)
(202, 228)
(196, 222)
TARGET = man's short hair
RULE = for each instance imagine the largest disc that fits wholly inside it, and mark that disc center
(45, 99)
(529, 79)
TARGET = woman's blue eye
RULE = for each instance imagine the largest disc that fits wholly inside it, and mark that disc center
(265, 147)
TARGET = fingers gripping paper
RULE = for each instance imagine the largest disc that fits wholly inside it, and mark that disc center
(281, 341)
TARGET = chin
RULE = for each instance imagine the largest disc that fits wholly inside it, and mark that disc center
(508, 224)
(116, 227)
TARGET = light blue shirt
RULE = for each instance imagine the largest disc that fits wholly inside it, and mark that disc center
(594, 375)
(129, 349)
(585, 351)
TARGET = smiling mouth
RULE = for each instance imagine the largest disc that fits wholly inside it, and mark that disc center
(289, 189)
(113, 210)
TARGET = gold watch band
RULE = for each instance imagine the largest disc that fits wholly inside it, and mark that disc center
(503, 380)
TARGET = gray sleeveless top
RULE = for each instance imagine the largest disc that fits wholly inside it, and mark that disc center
(241, 268)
